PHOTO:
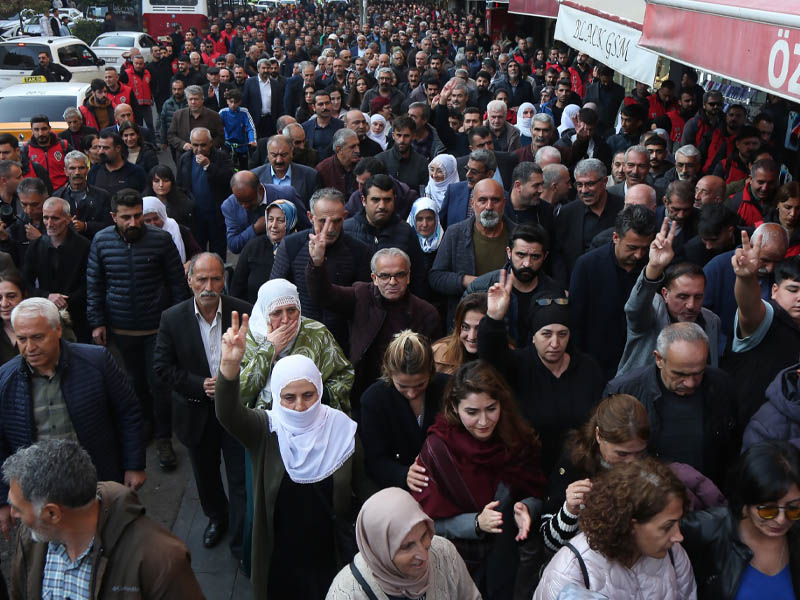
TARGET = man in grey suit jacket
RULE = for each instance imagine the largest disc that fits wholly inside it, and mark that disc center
(637, 170)
(281, 170)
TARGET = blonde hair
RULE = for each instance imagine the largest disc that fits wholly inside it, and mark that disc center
(409, 353)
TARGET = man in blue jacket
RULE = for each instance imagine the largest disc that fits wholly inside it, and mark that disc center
(59, 390)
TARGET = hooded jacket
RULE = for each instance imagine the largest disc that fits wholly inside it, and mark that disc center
(779, 417)
(133, 556)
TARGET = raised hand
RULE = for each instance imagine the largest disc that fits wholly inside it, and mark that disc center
(661, 250)
(234, 342)
(317, 243)
(499, 296)
(745, 259)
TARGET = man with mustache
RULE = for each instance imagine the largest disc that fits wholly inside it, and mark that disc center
(114, 173)
(186, 360)
(134, 273)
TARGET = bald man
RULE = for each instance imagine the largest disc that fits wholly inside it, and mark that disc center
(122, 113)
(709, 190)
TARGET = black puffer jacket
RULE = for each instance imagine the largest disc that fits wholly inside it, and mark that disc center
(128, 285)
(719, 557)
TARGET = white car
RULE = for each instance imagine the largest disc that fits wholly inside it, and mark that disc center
(21, 56)
(265, 5)
(111, 46)
(18, 103)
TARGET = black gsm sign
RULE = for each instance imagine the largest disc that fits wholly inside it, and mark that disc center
(610, 43)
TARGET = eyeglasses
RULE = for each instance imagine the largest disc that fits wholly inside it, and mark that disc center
(549, 301)
(770, 511)
(399, 276)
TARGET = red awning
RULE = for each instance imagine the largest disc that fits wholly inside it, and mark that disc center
(755, 42)
(534, 8)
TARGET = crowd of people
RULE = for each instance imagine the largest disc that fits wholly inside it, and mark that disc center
(462, 318)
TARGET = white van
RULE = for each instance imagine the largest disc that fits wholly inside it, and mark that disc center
(20, 56)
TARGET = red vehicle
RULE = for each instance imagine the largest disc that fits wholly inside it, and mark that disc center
(159, 16)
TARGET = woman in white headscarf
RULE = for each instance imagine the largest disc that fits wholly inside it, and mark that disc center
(378, 130)
(442, 171)
(277, 329)
(568, 118)
(424, 218)
(155, 213)
(525, 114)
(400, 556)
(307, 465)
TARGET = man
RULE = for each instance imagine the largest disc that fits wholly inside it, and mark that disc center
(679, 208)
(685, 110)
(706, 131)
(637, 170)
(721, 277)
(526, 197)
(139, 79)
(214, 90)
(384, 89)
(282, 170)
(656, 147)
(758, 195)
(125, 298)
(474, 246)
(687, 168)
(293, 94)
(76, 130)
(402, 162)
(89, 205)
(425, 141)
(186, 74)
(51, 71)
(480, 138)
(557, 105)
(617, 169)
(355, 120)
(9, 150)
(556, 186)
(69, 392)
(176, 102)
(519, 89)
(716, 233)
(607, 95)
(598, 320)
(506, 137)
(691, 405)
(301, 152)
(319, 132)
(118, 92)
(124, 113)
(114, 173)
(55, 265)
(456, 205)
(710, 189)
(766, 334)
(527, 250)
(586, 142)
(543, 133)
(82, 525)
(665, 293)
(194, 116)
(379, 226)
(579, 222)
(187, 356)
(337, 171)
(376, 311)
(98, 109)
(47, 150)
(483, 95)
(662, 101)
(263, 97)
(10, 177)
(16, 237)
(244, 209)
(736, 166)
(632, 122)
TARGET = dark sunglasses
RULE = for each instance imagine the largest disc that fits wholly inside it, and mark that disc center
(770, 511)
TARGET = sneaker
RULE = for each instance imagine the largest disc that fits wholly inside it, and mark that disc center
(166, 455)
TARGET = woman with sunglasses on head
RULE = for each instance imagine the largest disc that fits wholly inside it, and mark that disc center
(751, 548)
(556, 386)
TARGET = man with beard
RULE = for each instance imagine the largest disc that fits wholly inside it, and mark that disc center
(355, 120)
(98, 110)
(385, 89)
(402, 162)
(482, 94)
(716, 233)
(706, 130)
(543, 133)
(737, 165)
(89, 206)
(239, 76)
(456, 206)
(474, 246)
(687, 168)
(657, 153)
(598, 320)
(114, 173)
(176, 102)
(160, 68)
(526, 197)
(263, 97)
(319, 131)
(46, 150)
(527, 250)
(665, 293)
(685, 110)
(758, 195)
(125, 299)
(632, 123)
(139, 78)
(50, 70)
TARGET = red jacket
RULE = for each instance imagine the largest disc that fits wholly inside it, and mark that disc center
(140, 85)
(656, 109)
(733, 169)
(51, 158)
(677, 125)
(219, 44)
(123, 95)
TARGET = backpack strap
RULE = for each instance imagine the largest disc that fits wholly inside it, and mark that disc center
(581, 564)
(361, 581)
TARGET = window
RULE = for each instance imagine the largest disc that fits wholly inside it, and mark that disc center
(121, 41)
(173, 2)
(21, 108)
(76, 55)
(21, 56)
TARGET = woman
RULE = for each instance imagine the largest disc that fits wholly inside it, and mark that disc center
(277, 329)
(12, 292)
(568, 118)
(357, 92)
(255, 261)
(139, 152)
(787, 213)
(400, 557)
(306, 110)
(443, 170)
(481, 460)
(461, 346)
(350, 86)
(617, 432)
(338, 107)
(751, 548)
(305, 469)
(525, 114)
(424, 218)
(377, 130)
(179, 204)
(398, 409)
(629, 545)
(155, 214)
(90, 146)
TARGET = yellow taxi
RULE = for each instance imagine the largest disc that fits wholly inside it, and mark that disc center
(18, 103)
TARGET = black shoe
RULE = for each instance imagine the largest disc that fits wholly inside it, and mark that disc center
(166, 455)
(213, 533)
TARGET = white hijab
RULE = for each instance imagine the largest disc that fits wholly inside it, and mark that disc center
(524, 123)
(435, 191)
(151, 204)
(381, 139)
(430, 243)
(313, 443)
(567, 118)
(273, 294)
